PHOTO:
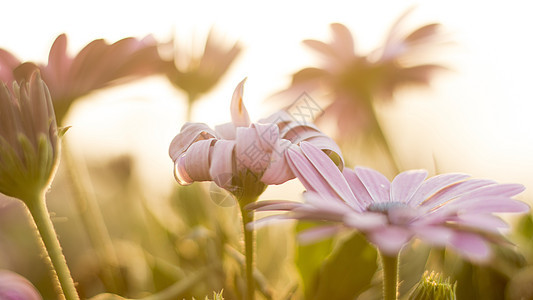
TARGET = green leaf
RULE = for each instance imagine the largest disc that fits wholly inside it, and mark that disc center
(348, 271)
(309, 259)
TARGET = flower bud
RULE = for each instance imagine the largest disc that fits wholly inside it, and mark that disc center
(29, 144)
(432, 287)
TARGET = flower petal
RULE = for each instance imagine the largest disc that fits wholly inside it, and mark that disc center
(405, 185)
(329, 171)
(221, 169)
(470, 245)
(454, 191)
(190, 133)
(434, 235)
(308, 175)
(506, 190)
(249, 153)
(485, 222)
(377, 185)
(239, 114)
(390, 240)
(361, 194)
(343, 42)
(194, 164)
(278, 171)
(433, 185)
(317, 234)
(494, 204)
(365, 221)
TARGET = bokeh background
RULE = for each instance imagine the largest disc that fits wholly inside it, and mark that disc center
(475, 118)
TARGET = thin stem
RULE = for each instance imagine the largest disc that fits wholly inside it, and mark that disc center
(47, 235)
(249, 241)
(178, 289)
(93, 221)
(390, 276)
(190, 102)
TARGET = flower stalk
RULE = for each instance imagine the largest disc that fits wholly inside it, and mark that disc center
(47, 235)
(390, 276)
(249, 241)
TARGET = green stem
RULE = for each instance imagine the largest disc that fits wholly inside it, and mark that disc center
(247, 217)
(47, 234)
(390, 276)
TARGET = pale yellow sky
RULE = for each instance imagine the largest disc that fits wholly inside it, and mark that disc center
(476, 119)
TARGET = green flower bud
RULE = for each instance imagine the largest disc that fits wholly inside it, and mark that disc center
(29, 143)
(432, 287)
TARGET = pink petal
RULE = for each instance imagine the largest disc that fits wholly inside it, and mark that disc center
(278, 171)
(433, 185)
(358, 189)
(489, 204)
(405, 185)
(317, 234)
(321, 47)
(326, 205)
(190, 133)
(504, 190)
(226, 131)
(221, 169)
(311, 179)
(434, 235)
(342, 42)
(194, 164)
(377, 185)
(365, 221)
(239, 114)
(268, 205)
(268, 135)
(470, 245)
(390, 240)
(485, 222)
(249, 153)
(455, 190)
(58, 61)
(330, 173)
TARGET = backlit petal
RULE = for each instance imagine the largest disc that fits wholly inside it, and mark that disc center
(405, 185)
(377, 185)
(239, 114)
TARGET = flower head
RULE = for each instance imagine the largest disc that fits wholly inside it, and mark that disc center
(200, 74)
(353, 81)
(448, 209)
(16, 287)
(96, 66)
(29, 143)
(241, 155)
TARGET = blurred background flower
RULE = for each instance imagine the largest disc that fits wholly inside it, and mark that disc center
(198, 73)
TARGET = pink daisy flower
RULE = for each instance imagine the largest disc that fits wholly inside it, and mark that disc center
(241, 154)
(445, 210)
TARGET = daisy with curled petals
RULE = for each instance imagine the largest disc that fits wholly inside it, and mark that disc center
(244, 157)
(445, 210)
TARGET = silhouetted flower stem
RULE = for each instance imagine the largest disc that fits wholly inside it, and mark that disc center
(249, 241)
(47, 234)
(390, 276)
